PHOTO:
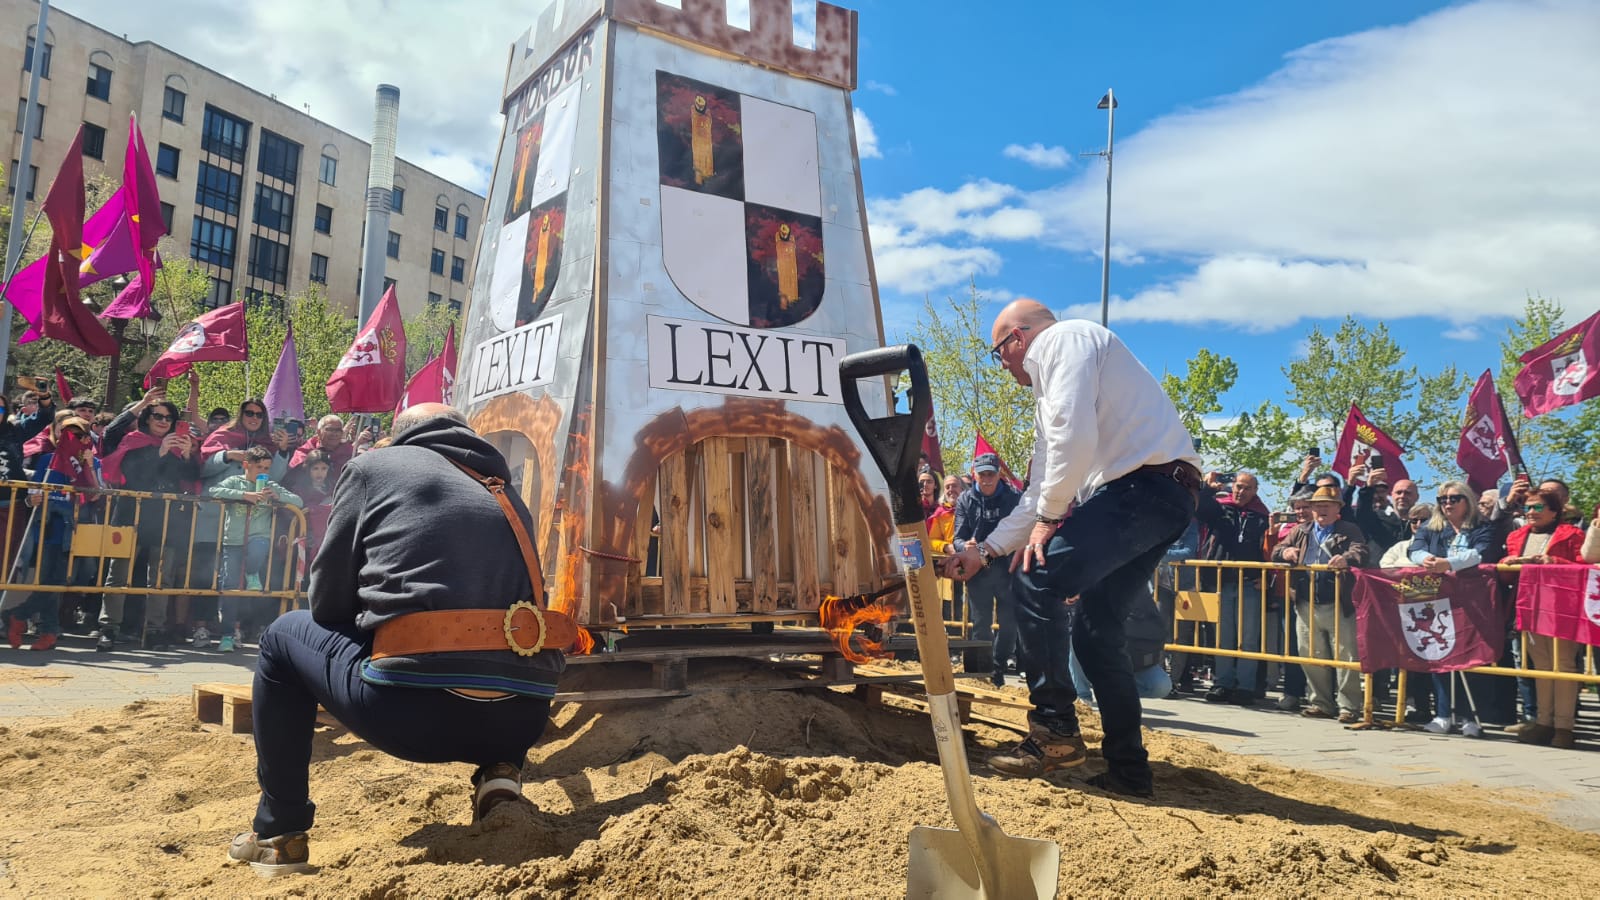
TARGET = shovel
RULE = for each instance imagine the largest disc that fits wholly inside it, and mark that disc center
(979, 860)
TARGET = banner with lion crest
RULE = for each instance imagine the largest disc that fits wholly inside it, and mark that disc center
(1425, 622)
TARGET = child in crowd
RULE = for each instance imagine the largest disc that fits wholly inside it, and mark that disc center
(49, 535)
(246, 533)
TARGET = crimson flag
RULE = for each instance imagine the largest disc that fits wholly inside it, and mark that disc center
(372, 375)
(217, 336)
(1359, 440)
(930, 446)
(1416, 620)
(63, 317)
(62, 389)
(435, 381)
(1562, 371)
(1560, 602)
(982, 446)
(1488, 447)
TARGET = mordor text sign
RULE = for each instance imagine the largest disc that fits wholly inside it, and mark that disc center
(727, 359)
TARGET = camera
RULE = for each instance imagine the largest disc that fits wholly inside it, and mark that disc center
(1227, 477)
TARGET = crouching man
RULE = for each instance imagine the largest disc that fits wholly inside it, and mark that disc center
(428, 634)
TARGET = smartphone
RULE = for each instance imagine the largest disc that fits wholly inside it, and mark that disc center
(1197, 443)
(1314, 451)
(182, 429)
(1227, 477)
(294, 426)
(1375, 461)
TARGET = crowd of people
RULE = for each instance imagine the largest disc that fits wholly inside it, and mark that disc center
(256, 467)
(1364, 521)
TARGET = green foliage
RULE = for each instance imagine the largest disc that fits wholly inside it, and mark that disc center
(1559, 444)
(1365, 366)
(971, 392)
(425, 334)
(1264, 441)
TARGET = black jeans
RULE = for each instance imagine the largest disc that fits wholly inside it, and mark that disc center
(303, 663)
(1104, 554)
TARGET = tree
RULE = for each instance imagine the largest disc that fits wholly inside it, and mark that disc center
(425, 334)
(1265, 441)
(1363, 366)
(1558, 444)
(971, 392)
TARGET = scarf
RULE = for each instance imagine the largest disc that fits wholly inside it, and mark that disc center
(232, 437)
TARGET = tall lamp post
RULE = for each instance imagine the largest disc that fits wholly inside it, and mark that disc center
(1109, 104)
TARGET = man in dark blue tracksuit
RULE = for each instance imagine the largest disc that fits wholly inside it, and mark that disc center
(978, 511)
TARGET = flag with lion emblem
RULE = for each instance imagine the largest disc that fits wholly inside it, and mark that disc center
(372, 374)
(1360, 441)
(1424, 622)
(1562, 371)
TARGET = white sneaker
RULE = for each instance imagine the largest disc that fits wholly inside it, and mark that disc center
(1439, 726)
(1472, 729)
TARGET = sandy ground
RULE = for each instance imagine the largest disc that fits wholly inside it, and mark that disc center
(779, 794)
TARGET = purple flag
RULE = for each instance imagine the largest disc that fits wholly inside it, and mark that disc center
(110, 246)
(134, 301)
(25, 293)
(284, 399)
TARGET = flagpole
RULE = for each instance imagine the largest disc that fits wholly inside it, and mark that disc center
(30, 124)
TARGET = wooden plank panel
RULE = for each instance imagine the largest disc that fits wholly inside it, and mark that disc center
(783, 510)
(741, 541)
(674, 537)
(841, 532)
(697, 510)
(640, 551)
(803, 496)
(650, 590)
(720, 541)
(763, 551)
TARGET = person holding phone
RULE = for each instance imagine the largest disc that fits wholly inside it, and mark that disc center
(50, 526)
(333, 441)
(149, 448)
(222, 456)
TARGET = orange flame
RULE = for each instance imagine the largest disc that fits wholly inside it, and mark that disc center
(572, 521)
(842, 615)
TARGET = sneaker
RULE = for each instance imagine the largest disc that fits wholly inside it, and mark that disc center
(998, 678)
(1041, 751)
(493, 786)
(1472, 729)
(270, 857)
(1288, 703)
(1533, 733)
(107, 640)
(43, 642)
(154, 639)
(1439, 725)
(16, 630)
(225, 644)
(1242, 698)
(252, 582)
(1218, 695)
(201, 639)
(1110, 783)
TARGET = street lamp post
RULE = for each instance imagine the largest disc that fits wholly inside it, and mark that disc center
(1109, 104)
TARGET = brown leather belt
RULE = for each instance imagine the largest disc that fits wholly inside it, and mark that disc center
(1178, 470)
(523, 629)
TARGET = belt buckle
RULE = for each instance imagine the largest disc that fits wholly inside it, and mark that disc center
(512, 626)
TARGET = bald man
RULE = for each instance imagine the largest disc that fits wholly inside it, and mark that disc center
(428, 634)
(1115, 477)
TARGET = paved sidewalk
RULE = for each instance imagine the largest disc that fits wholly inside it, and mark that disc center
(73, 676)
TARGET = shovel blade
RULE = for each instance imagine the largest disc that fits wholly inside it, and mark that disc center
(943, 867)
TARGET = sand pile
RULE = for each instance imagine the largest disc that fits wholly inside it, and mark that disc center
(780, 794)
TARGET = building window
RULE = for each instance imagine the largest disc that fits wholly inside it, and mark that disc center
(218, 189)
(255, 297)
(221, 292)
(172, 104)
(212, 242)
(11, 180)
(461, 225)
(274, 208)
(269, 260)
(94, 141)
(324, 218)
(397, 200)
(441, 216)
(458, 269)
(166, 216)
(330, 170)
(319, 268)
(27, 59)
(99, 82)
(279, 157)
(167, 160)
(226, 136)
(394, 245)
(434, 299)
(389, 283)
(436, 265)
(22, 115)
(455, 307)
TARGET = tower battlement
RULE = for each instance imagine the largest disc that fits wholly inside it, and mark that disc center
(769, 40)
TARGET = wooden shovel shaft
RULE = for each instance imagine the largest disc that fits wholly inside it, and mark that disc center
(922, 586)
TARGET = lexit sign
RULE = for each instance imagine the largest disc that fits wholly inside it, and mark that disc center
(720, 358)
(516, 361)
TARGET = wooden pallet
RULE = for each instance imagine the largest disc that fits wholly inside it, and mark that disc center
(226, 704)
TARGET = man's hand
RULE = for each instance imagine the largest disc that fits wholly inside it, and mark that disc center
(35, 498)
(1305, 468)
(1518, 495)
(1038, 542)
(1213, 481)
(1378, 476)
(1290, 555)
(1358, 472)
(1437, 565)
(962, 564)
(1339, 562)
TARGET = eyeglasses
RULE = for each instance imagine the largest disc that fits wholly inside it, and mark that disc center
(1453, 498)
(1535, 507)
(160, 417)
(994, 352)
(253, 414)
(1421, 520)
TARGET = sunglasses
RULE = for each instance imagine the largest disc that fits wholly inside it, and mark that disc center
(1420, 521)
(160, 417)
(1453, 498)
(1535, 507)
(253, 414)
(994, 352)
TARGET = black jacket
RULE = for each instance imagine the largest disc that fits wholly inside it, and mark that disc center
(1234, 533)
(10, 456)
(145, 469)
(410, 532)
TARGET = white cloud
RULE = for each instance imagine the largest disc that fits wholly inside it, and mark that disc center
(1039, 156)
(931, 238)
(885, 89)
(1463, 333)
(1424, 169)
(866, 136)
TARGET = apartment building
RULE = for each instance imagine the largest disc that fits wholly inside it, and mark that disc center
(264, 196)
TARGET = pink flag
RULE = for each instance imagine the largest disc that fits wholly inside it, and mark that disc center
(217, 336)
(1562, 371)
(1560, 602)
(1413, 619)
(372, 375)
(1360, 440)
(1488, 448)
(435, 381)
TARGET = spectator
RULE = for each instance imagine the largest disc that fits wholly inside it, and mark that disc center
(1238, 524)
(318, 498)
(331, 440)
(1544, 540)
(1339, 545)
(50, 528)
(247, 532)
(988, 592)
(1398, 556)
(38, 414)
(11, 511)
(1372, 514)
(218, 418)
(1455, 538)
(222, 456)
(1279, 634)
(148, 454)
(1169, 578)
(928, 493)
(1591, 540)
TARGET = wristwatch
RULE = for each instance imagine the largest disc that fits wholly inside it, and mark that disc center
(983, 552)
(1046, 520)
